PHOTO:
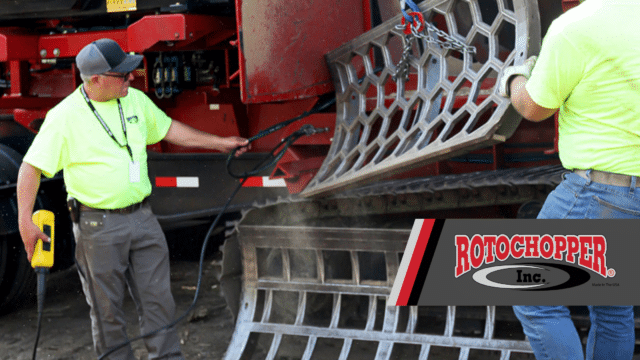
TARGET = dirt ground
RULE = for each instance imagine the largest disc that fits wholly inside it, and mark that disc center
(66, 328)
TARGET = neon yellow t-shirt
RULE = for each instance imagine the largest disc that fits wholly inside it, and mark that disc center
(589, 68)
(96, 168)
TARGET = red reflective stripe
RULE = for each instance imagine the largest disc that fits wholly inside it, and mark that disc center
(165, 181)
(254, 181)
(416, 259)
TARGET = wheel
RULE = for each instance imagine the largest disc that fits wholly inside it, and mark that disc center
(18, 281)
(17, 278)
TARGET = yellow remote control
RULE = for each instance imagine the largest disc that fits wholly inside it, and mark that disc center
(43, 254)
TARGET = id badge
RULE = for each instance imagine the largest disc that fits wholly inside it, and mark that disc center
(134, 171)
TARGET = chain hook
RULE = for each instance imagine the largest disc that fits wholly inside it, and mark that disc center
(413, 27)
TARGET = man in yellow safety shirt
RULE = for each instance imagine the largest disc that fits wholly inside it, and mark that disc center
(98, 135)
(588, 69)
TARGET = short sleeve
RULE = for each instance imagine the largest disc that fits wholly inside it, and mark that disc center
(559, 68)
(156, 121)
(47, 150)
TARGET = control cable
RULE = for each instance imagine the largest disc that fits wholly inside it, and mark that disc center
(41, 261)
(41, 273)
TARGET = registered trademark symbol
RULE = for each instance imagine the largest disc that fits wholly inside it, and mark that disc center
(611, 273)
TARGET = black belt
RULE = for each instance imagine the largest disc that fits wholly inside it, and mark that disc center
(607, 178)
(125, 210)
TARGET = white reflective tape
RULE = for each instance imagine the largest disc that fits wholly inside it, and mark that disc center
(187, 181)
(266, 182)
(263, 181)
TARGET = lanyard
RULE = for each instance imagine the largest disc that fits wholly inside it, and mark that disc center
(105, 126)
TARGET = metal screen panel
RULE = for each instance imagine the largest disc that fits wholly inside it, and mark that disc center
(446, 105)
(320, 293)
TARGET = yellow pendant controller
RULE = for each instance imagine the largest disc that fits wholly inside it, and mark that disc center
(43, 254)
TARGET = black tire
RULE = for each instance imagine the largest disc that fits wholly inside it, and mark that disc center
(18, 281)
(17, 278)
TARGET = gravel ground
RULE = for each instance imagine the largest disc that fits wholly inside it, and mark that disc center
(66, 329)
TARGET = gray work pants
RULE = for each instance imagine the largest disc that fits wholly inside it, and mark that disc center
(115, 252)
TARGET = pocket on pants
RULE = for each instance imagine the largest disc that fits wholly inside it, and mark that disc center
(602, 209)
(572, 184)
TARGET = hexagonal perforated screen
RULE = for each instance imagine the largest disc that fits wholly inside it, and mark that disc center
(446, 105)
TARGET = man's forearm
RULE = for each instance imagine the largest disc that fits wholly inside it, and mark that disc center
(524, 104)
(183, 135)
(27, 190)
(28, 184)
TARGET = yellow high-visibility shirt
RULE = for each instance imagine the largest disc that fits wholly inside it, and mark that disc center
(589, 68)
(96, 168)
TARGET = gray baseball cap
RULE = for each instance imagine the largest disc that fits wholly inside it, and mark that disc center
(105, 55)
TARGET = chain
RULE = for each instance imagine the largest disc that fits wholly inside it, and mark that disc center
(403, 66)
(448, 43)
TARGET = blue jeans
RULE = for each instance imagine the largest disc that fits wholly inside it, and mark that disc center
(550, 330)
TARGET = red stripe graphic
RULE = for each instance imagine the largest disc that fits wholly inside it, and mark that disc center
(416, 259)
(166, 181)
(253, 181)
(264, 181)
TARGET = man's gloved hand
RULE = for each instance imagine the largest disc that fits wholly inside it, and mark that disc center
(512, 71)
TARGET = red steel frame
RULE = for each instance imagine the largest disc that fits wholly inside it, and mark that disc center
(248, 100)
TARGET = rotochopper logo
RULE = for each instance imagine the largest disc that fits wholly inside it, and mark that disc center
(586, 251)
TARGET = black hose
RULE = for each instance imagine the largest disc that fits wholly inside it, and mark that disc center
(42, 272)
(284, 143)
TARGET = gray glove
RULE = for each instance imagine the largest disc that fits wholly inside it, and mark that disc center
(512, 71)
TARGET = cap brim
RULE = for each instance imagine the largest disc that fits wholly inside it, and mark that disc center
(129, 64)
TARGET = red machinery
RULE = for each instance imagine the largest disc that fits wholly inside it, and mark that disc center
(322, 230)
